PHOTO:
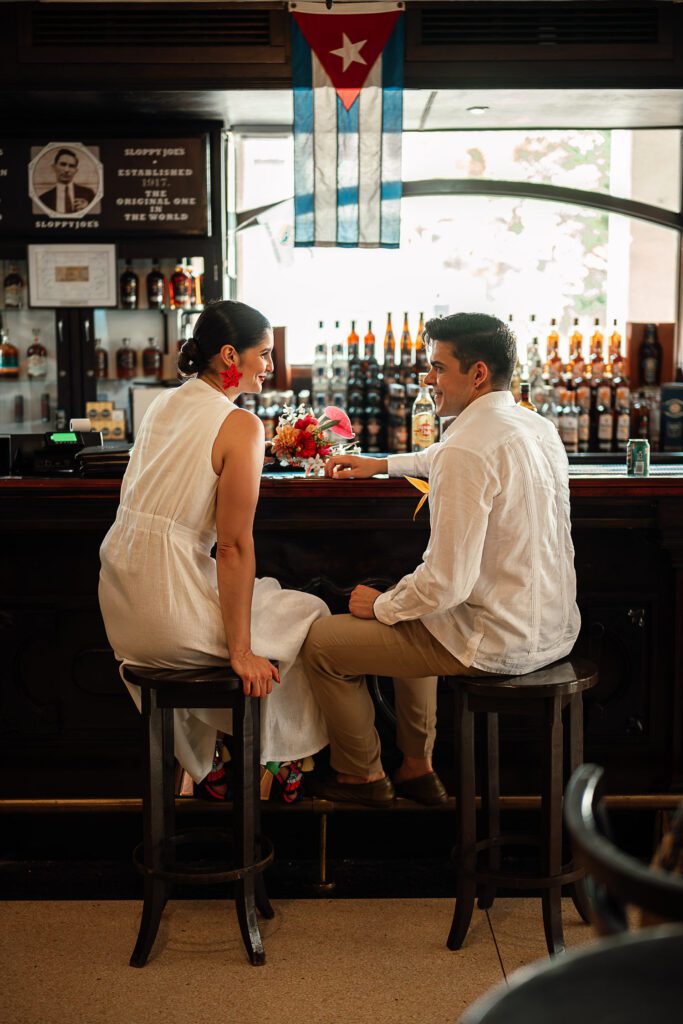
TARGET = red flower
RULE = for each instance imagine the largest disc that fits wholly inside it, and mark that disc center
(306, 421)
(325, 450)
(306, 447)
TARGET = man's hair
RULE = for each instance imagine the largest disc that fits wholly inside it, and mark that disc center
(477, 336)
(69, 152)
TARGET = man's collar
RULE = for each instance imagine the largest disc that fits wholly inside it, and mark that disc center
(491, 400)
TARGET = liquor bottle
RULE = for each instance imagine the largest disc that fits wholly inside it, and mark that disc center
(179, 287)
(605, 421)
(584, 403)
(552, 370)
(569, 421)
(524, 399)
(18, 408)
(352, 342)
(340, 370)
(622, 428)
(374, 421)
(36, 358)
(126, 361)
(423, 419)
(549, 409)
(14, 289)
(621, 388)
(156, 286)
(640, 417)
(597, 358)
(577, 364)
(516, 380)
(194, 285)
(356, 414)
(128, 287)
(355, 371)
(152, 360)
(389, 345)
(101, 361)
(373, 374)
(397, 433)
(616, 358)
(421, 359)
(369, 342)
(406, 373)
(9, 356)
(535, 371)
(650, 358)
(320, 371)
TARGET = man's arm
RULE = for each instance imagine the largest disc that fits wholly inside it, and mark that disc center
(462, 492)
(412, 463)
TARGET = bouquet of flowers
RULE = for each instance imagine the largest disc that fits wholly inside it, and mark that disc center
(303, 439)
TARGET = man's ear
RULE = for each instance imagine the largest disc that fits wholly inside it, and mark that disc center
(481, 374)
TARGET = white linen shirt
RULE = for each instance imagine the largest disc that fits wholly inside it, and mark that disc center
(496, 585)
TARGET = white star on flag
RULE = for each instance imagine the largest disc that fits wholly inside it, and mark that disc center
(349, 52)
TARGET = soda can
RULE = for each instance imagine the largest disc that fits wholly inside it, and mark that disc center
(638, 457)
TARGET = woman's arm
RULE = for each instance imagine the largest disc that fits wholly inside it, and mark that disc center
(239, 451)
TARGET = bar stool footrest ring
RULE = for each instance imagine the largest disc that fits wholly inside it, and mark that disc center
(208, 874)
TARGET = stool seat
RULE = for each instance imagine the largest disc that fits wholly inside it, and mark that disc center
(544, 694)
(163, 691)
(565, 677)
(202, 687)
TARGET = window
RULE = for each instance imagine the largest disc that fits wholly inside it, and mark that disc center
(503, 254)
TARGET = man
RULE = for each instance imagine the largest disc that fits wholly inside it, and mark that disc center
(66, 196)
(496, 589)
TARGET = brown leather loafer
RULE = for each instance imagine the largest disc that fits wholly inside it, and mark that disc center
(426, 789)
(371, 794)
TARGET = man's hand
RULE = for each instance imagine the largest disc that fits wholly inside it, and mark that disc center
(257, 674)
(362, 600)
(80, 203)
(354, 467)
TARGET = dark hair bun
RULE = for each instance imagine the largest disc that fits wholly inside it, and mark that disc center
(191, 359)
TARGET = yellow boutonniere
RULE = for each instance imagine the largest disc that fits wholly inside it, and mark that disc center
(421, 485)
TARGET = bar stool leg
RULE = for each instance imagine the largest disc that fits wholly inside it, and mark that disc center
(263, 904)
(551, 825)
(155, 820)
(466, 856)
(245, 797)
(579, 892)
(491, 808)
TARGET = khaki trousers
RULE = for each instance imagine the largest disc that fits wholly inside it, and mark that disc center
(341, 650)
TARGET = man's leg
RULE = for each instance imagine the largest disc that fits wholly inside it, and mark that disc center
(339, 652)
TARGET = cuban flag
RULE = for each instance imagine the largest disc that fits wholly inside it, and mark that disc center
(347, 72)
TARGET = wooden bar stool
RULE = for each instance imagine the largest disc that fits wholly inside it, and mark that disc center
(244, 853)
(543, 694)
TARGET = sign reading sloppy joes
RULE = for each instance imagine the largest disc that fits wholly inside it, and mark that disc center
(84, 187)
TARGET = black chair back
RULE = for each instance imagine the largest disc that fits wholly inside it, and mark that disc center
(615, 880)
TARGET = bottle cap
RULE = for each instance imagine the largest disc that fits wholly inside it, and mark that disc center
(421, 378)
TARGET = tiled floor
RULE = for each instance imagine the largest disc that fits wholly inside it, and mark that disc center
(329, 962)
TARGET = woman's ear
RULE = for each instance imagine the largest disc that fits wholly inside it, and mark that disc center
(228, 354)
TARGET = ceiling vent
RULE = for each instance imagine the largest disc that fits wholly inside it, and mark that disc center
(154, 25)
(542, 25)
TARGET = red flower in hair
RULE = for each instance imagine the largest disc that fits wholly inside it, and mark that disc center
(231, 377)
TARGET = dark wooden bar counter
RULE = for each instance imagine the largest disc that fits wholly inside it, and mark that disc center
(69, 729)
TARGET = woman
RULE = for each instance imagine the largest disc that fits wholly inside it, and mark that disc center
(193, 480)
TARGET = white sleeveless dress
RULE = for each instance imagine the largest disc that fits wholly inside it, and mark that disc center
(158, 588)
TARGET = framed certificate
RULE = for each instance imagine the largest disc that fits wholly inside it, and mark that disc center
(72, 275)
